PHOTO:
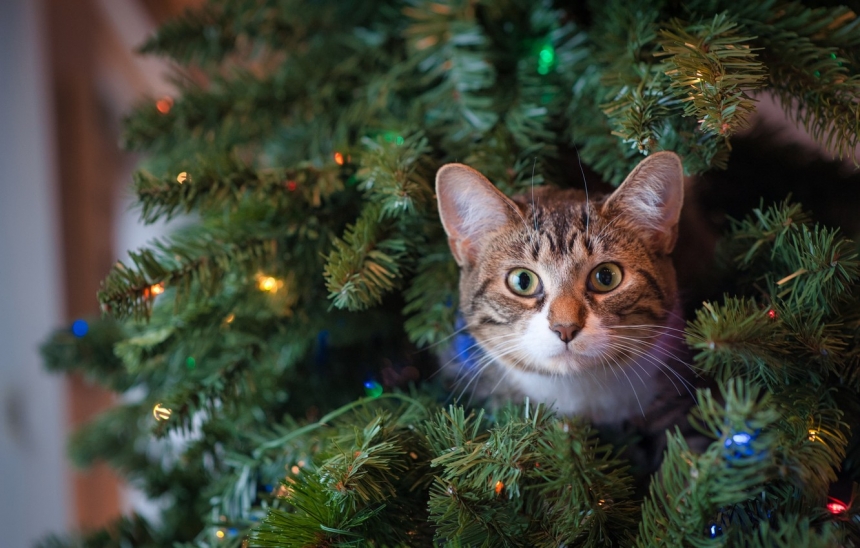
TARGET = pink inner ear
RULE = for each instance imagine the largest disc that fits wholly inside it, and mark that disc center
(651, 198)
(470, 208)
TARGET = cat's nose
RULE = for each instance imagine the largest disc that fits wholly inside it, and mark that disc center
(566, 331)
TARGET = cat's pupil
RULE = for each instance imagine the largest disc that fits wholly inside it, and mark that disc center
(524, 281)
(604, 276)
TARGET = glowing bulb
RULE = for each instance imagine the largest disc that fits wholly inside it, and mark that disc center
(499, 487)
(292, 186)
(219, 533)
(295, 469)
(836, 506)
(741, 439)
(157, 289)
(813, 435)
(164, 105)
(547, 55)
(80, 328)
(268, 284)
(338, 158)
(161, 413)
(182, 177)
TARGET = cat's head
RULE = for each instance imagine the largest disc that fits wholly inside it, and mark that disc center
(552, 283)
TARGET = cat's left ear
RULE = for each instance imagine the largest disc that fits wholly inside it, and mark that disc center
(651, 198)
(471, 210)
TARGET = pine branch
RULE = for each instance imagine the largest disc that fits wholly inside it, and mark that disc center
(803, 49)
(691, 488)
(207, 36)
(431, 299)
(532, 480)
(763, 232)
(183, 263)
(394, 175)
(91, 354)
(451, 54)
(227, 183)
(738, 339)
(712, 69)
(374, 470)
(364, 265)
(823, 269)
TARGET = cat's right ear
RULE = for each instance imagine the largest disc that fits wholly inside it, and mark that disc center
(471, 209)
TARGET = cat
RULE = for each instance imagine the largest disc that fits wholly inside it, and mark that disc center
(573, 302)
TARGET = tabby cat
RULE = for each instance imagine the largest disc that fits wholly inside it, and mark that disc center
(573, 302)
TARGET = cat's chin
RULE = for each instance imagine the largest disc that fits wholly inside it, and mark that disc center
(563, 362)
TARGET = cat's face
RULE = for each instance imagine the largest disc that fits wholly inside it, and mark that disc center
(558, 285)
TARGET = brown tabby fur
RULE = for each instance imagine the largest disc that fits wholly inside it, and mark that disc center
(620, 367)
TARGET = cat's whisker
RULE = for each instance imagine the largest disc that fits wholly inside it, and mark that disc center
(659, 364)
(652, 333)
(595, 376)
(652, 327)
(634, 355)
(534, 205)
(489, 360)
(476, 345)
(440, 341)
(658, 348)
(503, 377)
(585, 186)
(635, 394)
(654, 346)
(660, 328)
(634, 362)
(508, 341)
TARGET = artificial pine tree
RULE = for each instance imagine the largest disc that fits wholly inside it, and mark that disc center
(305, 139)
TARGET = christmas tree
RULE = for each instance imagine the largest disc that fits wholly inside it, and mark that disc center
(277, 358)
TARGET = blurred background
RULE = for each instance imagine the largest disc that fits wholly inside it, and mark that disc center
(68, 72)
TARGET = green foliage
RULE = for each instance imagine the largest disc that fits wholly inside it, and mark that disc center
(711, 68)
(531, 480)
(303, 142)
(749, 461)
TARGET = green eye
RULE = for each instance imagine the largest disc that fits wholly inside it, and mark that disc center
(524, 282)
(605, 277)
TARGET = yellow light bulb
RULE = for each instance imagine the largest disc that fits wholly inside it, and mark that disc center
(499, 487)
(161, 413)
(182, 177)
(157, 289)
(219, 533)
(268, 284)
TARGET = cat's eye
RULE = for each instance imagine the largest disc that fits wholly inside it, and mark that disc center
(605, 277)
(524, 282)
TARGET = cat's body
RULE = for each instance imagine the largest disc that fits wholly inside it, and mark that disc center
(572, 302)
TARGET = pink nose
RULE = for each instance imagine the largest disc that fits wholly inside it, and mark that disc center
(566, 331)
